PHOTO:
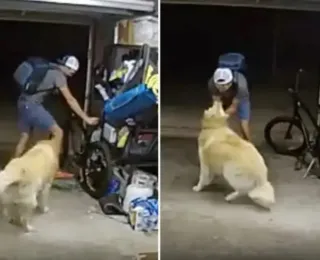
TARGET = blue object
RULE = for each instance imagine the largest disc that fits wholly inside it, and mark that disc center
(129, 103)
(232, 60)
(113, 186)
(150, 212)
(30, 74)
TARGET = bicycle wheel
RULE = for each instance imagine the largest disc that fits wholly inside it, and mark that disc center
(97, 171)
(288, 140)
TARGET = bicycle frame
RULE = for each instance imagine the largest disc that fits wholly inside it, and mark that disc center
(297, 116)
(297, 105)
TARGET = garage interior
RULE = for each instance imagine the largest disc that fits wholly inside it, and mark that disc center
(73, 228)
(276, 43)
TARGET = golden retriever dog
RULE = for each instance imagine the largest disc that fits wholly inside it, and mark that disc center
(224, 153)
(25, 182)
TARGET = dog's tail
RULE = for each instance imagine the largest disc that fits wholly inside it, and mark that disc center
(9, 175)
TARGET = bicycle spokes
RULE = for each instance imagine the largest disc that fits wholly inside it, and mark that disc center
(288, 134)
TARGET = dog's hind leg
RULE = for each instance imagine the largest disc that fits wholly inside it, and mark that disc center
(237, 180)
(232, 196)
(13, 214)
(263, 195)
(204, 177)
(43, 199)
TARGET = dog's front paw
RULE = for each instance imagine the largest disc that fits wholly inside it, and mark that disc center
(43, 210)
(28, 228)
(228, 198)
(197, 188)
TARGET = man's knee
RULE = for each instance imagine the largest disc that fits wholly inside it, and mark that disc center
(244, 123)
(56, 131)
(22, 144)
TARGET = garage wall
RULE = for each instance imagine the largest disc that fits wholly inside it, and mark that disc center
(104, 37)
(193, 37)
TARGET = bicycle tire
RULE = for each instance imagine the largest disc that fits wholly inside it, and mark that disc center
(98, 191)
(280, 150)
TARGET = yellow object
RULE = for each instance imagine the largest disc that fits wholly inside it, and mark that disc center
(118, 73)
(122, 137)
(152, 80)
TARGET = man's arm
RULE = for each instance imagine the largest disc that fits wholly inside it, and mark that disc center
(233, 107)
(60, 82)
(243, 94)
(73, 103)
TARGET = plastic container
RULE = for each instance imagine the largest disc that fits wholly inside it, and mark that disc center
(145, 178)
(140, 188)
(143, 214)
(137, 218)
(109, 134)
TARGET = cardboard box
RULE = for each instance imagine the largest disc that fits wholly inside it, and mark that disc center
(137, 31)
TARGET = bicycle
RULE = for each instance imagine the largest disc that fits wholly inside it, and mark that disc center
(310, 145)
(96, 159)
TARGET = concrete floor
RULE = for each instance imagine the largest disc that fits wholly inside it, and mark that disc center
(72, 231)
(203, 226)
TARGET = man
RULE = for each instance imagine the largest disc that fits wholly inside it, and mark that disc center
(33, 115)
(234, 94)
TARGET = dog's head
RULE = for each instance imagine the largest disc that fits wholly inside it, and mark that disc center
(215, 116)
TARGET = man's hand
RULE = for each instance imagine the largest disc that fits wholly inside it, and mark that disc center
(233, 107)
(92, 120)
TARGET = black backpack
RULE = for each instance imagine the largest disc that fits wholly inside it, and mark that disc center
(30, 74)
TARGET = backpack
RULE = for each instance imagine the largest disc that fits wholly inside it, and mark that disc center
(234, 61)
(30, 74)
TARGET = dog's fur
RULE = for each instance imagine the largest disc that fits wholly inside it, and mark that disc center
(223, 152)
(25, 182)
